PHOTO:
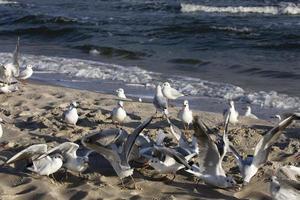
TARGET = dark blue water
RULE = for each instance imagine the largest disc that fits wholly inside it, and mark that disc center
(252, 44)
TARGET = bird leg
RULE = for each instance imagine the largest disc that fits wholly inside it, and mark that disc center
(134, 183)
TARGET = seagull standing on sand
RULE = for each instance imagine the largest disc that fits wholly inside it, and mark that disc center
(72, 162)
(1, 130)
(233, 119)
(26, 73)
(43, 166)
(115, 145)
(249, 166)
(11, 70)
(5, 89)
(160, 102)
(170, 93)
(210, 168)
(249, 114)
(119, 113)
(284, 189)
(186, 115)
(120, 93)
(71, 115)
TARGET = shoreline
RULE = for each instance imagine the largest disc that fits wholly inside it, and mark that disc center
(35, 111)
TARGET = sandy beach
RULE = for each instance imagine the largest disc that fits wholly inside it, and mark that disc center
(34, 115)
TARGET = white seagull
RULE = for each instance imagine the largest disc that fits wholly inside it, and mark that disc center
(160, 102)
(284, 189)
(5, 89)
(119, 114)
(186, 115)
(249, 113)
(120, 93)
(42, 166)
(1, 130)
(11, 70)
(210, 168)
(170, 93)
(249, 166)
(72, 161)
(233, 113)
(71, 115)
(26, 73)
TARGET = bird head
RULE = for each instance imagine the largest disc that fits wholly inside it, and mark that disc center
(120, 91)
(74, 104)
(166, 84)
(229, 182)
(185, 103)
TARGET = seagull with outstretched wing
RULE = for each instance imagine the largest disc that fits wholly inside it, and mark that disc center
(249, 166)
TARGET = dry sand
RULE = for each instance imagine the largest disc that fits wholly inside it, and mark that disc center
(35, 116)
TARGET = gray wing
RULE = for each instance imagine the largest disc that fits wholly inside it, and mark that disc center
(63, 149)
(31, 152)
(174, 154)
(290, 184)
(132, 138)
(160, 102)
(105, 137)
(263, 147)
(15, 60)
(176, 132)
(209, 157)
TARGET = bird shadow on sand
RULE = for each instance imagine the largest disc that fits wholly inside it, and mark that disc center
(50, 138)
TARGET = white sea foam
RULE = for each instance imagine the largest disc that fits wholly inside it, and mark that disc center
(283, 8)
(7, 2)
(137, 76)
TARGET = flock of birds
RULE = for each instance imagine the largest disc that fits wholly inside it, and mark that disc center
(201, 155)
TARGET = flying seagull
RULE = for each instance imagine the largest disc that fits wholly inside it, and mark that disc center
(283, 189)
(249, 166)
(210, 168)
(112, 145)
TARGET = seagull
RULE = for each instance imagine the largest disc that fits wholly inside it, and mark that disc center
(26, 73)
(169, 92)
(283, 189)
(119, 114)
(233, 113)
(71, 115)
(11, 70)
(5, 89)
(120, 93)
(186, 115)
(289, 171)
(160, 102)
(116, 146)
(249, 166)
(166, 160)
(210, 168)
(249, 114)
(42, 166)
(183, 142)
(72, 162)
(1, 130)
